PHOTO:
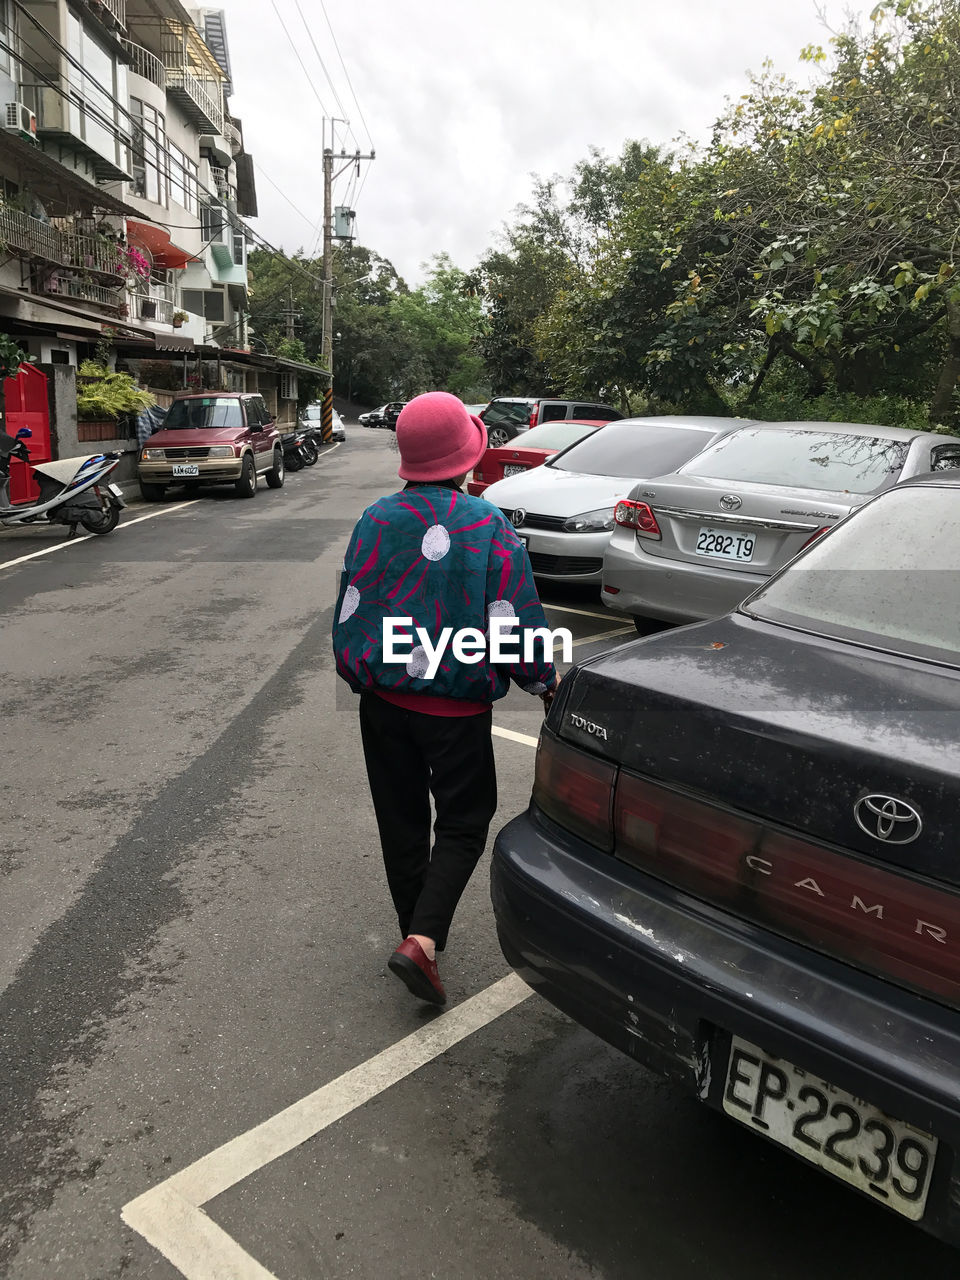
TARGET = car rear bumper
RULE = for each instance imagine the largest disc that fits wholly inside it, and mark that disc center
(674, 590)
(668, 980)
(209, 471)
(476, 487)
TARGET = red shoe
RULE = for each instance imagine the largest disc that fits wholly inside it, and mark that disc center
(409, 962)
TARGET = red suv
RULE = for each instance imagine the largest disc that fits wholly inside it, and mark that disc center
(213, 437)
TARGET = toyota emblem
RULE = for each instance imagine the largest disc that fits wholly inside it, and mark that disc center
(518, 517)
(730, 502)
(888, 819)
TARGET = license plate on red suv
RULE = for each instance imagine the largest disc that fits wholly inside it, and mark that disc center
(888, 1159)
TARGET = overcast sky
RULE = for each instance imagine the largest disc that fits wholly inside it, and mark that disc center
(465, 101)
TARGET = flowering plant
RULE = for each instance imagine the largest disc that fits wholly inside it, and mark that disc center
(133, 262)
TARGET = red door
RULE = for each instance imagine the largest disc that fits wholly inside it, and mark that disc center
(27, 406)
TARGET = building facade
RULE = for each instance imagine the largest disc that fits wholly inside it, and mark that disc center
(124, 189)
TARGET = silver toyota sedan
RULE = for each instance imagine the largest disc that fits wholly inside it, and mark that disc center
(694, 544)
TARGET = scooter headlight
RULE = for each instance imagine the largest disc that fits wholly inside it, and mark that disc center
(152, 455)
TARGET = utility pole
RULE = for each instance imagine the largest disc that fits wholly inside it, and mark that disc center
(327, 352)
(290, 315)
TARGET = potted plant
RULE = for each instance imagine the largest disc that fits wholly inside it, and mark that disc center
(179, 317)
(103, 398)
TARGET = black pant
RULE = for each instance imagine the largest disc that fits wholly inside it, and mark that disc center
(410, 756)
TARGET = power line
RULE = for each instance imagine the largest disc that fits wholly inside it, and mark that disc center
(346, 73)
(299, 59)
(309, 221)
(343, 110)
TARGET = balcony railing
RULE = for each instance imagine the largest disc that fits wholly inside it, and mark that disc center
(145, 64)
(113, 12)
(151, 307)
(221, 182)
(201, 99)
(48, 243)
(52, 283)
(233, 136)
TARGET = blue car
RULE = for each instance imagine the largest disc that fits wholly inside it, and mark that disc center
(741, 861)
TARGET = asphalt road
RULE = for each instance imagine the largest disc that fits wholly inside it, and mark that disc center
(193, 939)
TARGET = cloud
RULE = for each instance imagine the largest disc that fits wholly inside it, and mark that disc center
(464, 102)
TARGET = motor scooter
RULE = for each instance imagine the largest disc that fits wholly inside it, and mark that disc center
(72, 491)
(296, 454)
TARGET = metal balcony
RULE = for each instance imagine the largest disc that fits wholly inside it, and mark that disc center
(153, 306)
(145, 64)
(51, 283)
(112, 13)
(46, 242)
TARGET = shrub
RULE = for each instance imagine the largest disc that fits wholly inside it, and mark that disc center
(102, 394)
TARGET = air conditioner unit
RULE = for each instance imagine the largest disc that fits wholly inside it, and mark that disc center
(20, 119)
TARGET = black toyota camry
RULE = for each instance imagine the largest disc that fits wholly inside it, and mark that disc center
(741, 861)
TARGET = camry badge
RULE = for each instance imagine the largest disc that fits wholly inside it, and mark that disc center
(888, 819)
(730, 502)
(518, 517)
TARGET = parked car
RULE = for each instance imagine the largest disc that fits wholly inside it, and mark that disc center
(372, 419)
(533, 450)
(477, 409)
(506, 417)
(311, 416)
(563, 511)
(694, 544)
(212, 437)
(391, 412)
(739, 864)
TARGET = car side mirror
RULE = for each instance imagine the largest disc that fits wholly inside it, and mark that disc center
(24, 434)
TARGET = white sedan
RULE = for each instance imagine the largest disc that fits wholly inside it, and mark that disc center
(563, 511)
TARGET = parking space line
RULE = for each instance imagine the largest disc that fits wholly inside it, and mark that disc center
(604, 635)
(583, 613)
(509, 734)
(170, 1217)
(75, 542)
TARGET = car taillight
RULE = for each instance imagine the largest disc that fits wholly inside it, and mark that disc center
(814, 536)
(478, 474)
(534, 415)
(575, 790)
(878, 919)
(638, 516)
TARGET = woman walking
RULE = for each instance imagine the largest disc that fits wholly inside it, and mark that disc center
(430, 573)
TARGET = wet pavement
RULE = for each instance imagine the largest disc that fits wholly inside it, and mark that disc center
(194, 937)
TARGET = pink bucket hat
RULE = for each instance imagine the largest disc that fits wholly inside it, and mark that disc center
(438, 439)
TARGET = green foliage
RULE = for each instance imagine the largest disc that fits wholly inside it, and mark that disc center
(11, 357)
(102, 394)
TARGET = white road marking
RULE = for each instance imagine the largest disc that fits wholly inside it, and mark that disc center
(170, 1215)
(75, 542)
(584, 613)
(603, 635)
(514, 737)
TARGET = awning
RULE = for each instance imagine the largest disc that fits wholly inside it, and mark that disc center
(168, 342)
(60, 188)
(157, 241)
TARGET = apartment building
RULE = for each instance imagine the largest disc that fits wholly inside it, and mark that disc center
(123, 179)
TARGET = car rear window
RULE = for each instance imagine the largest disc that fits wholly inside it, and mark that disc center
(507, 412)
(633, 449)
(838, 462)
(554, 435)
(206, 411)
(886, 577)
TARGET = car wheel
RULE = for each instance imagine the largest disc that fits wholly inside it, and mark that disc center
(497, 438)
(246, 486)
(277, 473)
(152, 492)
